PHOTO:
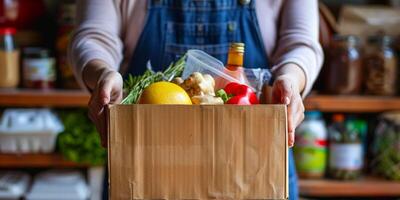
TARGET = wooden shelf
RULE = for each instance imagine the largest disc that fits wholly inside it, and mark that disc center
(368, 186)
(36, 161)
(74, 98)
(39, 98)
(359, 104)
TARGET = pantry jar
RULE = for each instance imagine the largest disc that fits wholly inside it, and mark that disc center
(38, 68)
(310, 150)
(345, 149)
(344, 66)
(381, 66)
(9, 59)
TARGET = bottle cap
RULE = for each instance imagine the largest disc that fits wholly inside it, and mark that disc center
(313, 114)
(237, 47)
(338, 117)
(7, 31)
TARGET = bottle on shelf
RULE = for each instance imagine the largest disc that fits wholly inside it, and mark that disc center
(310, 150)
(66, 22)
(9, 59)
(345, 149)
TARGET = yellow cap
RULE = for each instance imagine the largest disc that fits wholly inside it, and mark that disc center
(237, 47)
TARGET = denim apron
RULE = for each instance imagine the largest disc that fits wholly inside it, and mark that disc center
(175, 26)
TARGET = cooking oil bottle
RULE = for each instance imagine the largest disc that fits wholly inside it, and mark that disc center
(234, 66)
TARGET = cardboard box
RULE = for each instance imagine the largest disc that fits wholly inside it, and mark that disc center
(197, 152)
(365, 21)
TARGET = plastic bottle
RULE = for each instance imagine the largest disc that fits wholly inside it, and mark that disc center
(310, 149)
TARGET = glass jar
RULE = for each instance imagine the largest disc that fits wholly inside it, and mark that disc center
(66, 25)
(9, 59)
(386, 146)
(381, 66)
(345, 149)
(38, 68)
(344, 66)
(310, 150)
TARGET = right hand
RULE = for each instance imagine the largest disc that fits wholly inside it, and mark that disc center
(107, 89)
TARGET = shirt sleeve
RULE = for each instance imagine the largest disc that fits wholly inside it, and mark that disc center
(298, 39)
(97, 35)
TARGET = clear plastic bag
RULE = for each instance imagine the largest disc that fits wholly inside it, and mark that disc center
(199, 61)
(257, 77)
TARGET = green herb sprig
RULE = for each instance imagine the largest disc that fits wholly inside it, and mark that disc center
(135, 85)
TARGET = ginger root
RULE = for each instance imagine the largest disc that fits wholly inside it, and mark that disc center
(197, 84)
(207, 100)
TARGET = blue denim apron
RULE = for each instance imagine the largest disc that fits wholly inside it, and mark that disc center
(175, 26)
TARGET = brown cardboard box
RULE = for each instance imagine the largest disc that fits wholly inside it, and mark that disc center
(197, 152)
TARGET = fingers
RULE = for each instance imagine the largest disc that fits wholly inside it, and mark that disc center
(282, 91)
(108, 90)
(295, 117)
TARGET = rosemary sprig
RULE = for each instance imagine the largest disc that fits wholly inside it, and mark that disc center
(135, 85)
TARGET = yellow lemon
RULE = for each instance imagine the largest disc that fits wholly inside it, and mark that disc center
(164, 93)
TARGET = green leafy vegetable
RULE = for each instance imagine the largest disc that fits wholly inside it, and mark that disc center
(135, 85)
(80, 142)
(224, 96)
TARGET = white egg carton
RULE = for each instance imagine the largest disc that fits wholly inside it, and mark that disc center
(13, 185)
(60, 185)
(29, 131)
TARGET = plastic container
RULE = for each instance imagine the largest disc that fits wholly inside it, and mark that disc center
(311, 146)
(13, 185)
(29, 131)
(199, 61)
(60, 185)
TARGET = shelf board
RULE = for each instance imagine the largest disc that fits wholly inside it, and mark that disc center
(76, 98)
(368, 186)
(36, 161)
(42, 98)
(359, 104)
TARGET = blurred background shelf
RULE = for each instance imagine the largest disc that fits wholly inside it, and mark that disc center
(51, 98)
(359, 104)
(368, 186)
(36, 161)
(78, 98)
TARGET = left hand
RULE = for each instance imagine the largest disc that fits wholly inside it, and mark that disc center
(286, 91)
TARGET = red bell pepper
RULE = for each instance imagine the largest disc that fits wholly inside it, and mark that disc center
(240, 94)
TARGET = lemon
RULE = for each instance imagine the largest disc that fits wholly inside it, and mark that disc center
(164, 93)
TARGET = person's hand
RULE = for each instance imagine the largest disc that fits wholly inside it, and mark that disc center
(286, 90)
(106, 90)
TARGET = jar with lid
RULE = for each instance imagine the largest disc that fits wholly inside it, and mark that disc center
(9, 59)
(38, 68)
(344, 66)
(345, 149)
(381, 66)
(310, 150)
